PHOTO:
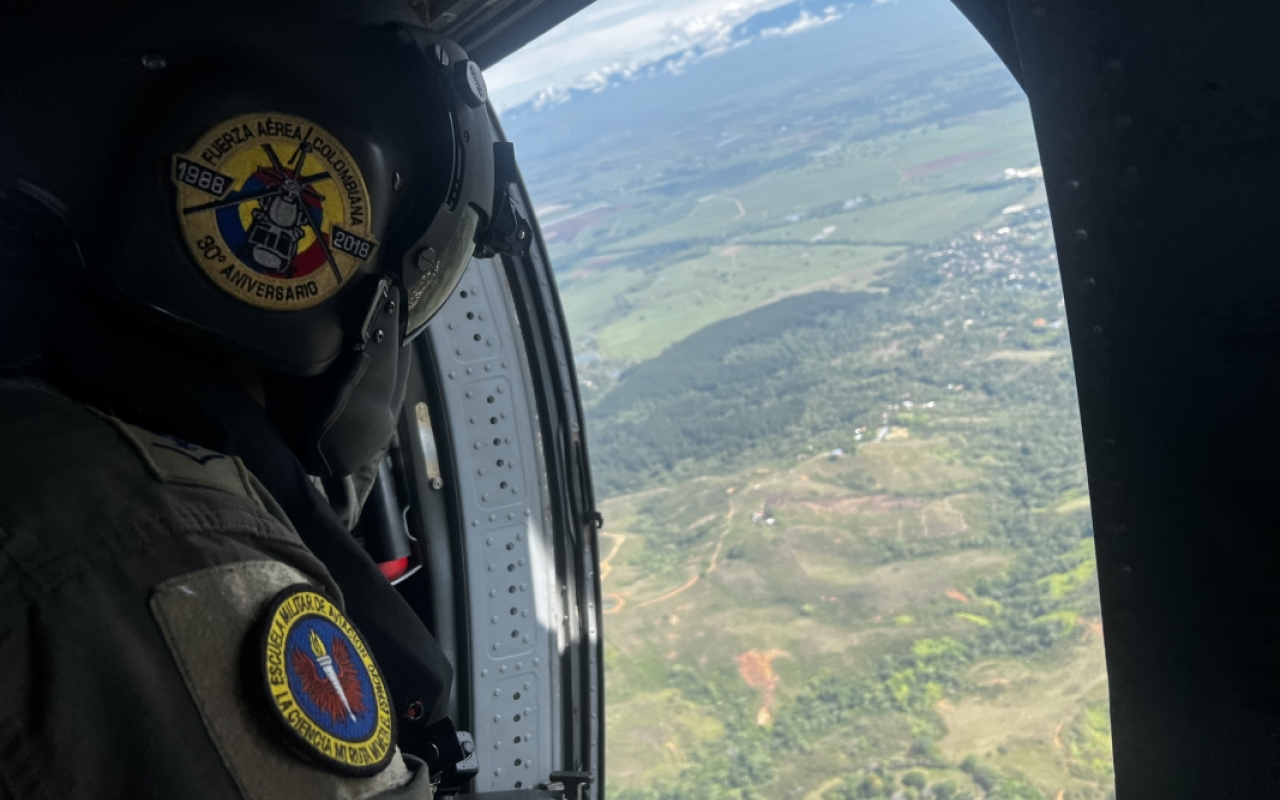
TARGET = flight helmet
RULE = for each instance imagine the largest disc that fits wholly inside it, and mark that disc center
(302, 182)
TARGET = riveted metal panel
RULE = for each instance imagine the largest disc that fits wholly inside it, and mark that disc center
(510, 621)
(470, 331)
(496, 467)
(514, 611)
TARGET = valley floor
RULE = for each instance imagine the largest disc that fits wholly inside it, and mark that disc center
(779, 583)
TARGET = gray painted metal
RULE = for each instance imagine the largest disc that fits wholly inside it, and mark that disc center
(508, 553)
(491, 30)
(583, 612)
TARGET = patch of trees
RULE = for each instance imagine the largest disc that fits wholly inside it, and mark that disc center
(806, 371)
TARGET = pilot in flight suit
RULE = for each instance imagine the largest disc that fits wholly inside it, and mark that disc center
(219, 228)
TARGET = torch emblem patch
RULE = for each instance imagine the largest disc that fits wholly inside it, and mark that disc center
(274, 210)
(324, 686)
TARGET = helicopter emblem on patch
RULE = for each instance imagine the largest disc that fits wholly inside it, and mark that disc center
(324, 686)
(274, 210)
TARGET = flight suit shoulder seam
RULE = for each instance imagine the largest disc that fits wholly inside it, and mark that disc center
(129, 435)
(117, 427)
(41, 576)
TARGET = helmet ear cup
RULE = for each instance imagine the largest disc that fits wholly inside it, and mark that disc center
(339, 420)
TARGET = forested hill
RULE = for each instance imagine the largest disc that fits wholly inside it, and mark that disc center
(742, 384)
(973, 327)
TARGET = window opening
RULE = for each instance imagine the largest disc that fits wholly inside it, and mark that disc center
(809, 272)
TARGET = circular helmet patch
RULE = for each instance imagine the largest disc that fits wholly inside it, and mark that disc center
(274, 209)
(324, 686)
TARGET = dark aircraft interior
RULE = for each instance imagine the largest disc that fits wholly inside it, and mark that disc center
(1158, 127)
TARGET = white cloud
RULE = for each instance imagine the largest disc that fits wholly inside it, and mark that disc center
(804, 22)
(617, 38)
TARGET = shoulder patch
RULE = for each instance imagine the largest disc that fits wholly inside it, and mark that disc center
(323, 684)
(173, 460)
(212, 621)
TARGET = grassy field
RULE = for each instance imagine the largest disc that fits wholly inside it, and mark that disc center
(765, 239)
(810, 589)
(666, 307)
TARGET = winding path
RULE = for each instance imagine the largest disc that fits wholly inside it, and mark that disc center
(619, 603)
(605, 566)
(670, 594)
(728, 524)
(742, 210)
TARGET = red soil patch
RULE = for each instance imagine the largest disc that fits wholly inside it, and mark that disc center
(756, 668)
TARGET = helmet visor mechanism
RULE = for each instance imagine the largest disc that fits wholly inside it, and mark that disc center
(431, 266)
(439, 272)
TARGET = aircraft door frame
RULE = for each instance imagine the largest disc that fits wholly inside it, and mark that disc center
(493, 427)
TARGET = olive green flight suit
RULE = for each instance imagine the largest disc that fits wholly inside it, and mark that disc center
(134, 573)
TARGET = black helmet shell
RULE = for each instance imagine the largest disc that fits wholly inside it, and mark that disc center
(127, 124)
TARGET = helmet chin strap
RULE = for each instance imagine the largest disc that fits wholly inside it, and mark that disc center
(338, 421)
